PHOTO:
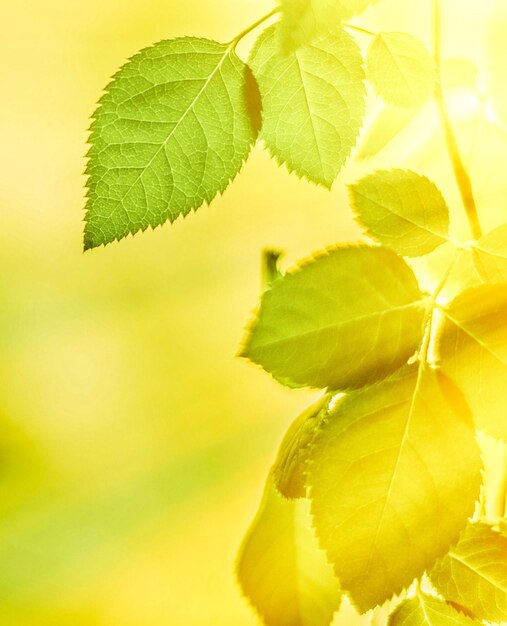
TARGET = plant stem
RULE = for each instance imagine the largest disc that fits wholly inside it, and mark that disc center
(253, 26)
(359, 30)
(428, 323)
(460, 172)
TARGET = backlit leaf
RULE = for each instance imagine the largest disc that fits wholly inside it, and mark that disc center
(474, 573)
(400, 69)
(171, 132)
(473, 352)
(342, 320)
(490, 254)
(402, 210)
(393, 476)
(424, 610)
(313, 102)
(281, 568)
(289, 470)
(303, 20)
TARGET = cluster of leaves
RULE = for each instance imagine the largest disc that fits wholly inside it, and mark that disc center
(376, 486)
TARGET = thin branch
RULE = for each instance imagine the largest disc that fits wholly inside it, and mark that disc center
(460, 172)
(253, 26)
(359, 30)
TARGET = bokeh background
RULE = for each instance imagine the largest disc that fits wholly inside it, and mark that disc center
(133, 444)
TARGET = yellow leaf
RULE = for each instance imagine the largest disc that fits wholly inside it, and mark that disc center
(281, 568)
(393, 476)
(473, 352)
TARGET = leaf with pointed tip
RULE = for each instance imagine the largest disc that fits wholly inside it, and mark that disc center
(424, 610)
(393, 476)
(281, 568)
(490, 255)
(402, 210)
(303, 20)
(474, 573)
(400, 69)
(171, 132)
(472, 347)
(344, 319)
(313, 102)
(289, 470)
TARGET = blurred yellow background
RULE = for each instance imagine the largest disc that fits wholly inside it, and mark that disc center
(133, 445)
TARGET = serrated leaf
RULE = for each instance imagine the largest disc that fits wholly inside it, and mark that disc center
(384, 127)
(402, 210)
(400, 69)
(490, 255)
(347, 318)
(289, 470)
(281, 568)
(424, 610)
(472, 347)
(171, 132)
(474, 573)
(303, 20)
(393, 476)
(313, 102)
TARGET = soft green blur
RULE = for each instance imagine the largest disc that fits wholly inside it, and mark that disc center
(133, 445)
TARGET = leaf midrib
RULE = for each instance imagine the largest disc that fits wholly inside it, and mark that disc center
(339, 324)
(179, 122)
(477, 571)
(403, 218)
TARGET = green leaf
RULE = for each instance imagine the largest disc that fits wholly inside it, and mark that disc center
(313, 102)
(402, 210)
(347, 318)
(383, 128)
(490, 255)
(303, 20)
(424, 610)
(281, 568)
(400, 69)
(171, 132)
(393, 476)
(474, 573)
(289, 470)
(472, 346)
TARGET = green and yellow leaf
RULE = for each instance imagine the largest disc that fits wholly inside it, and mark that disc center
(402, 210)
(171, 132)
(343, 320)
(281, 568)
(472, 348)
(474, 573)
(424, 610)
(393, 476)
(313, 102)
(289, 470)
(400, 69)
